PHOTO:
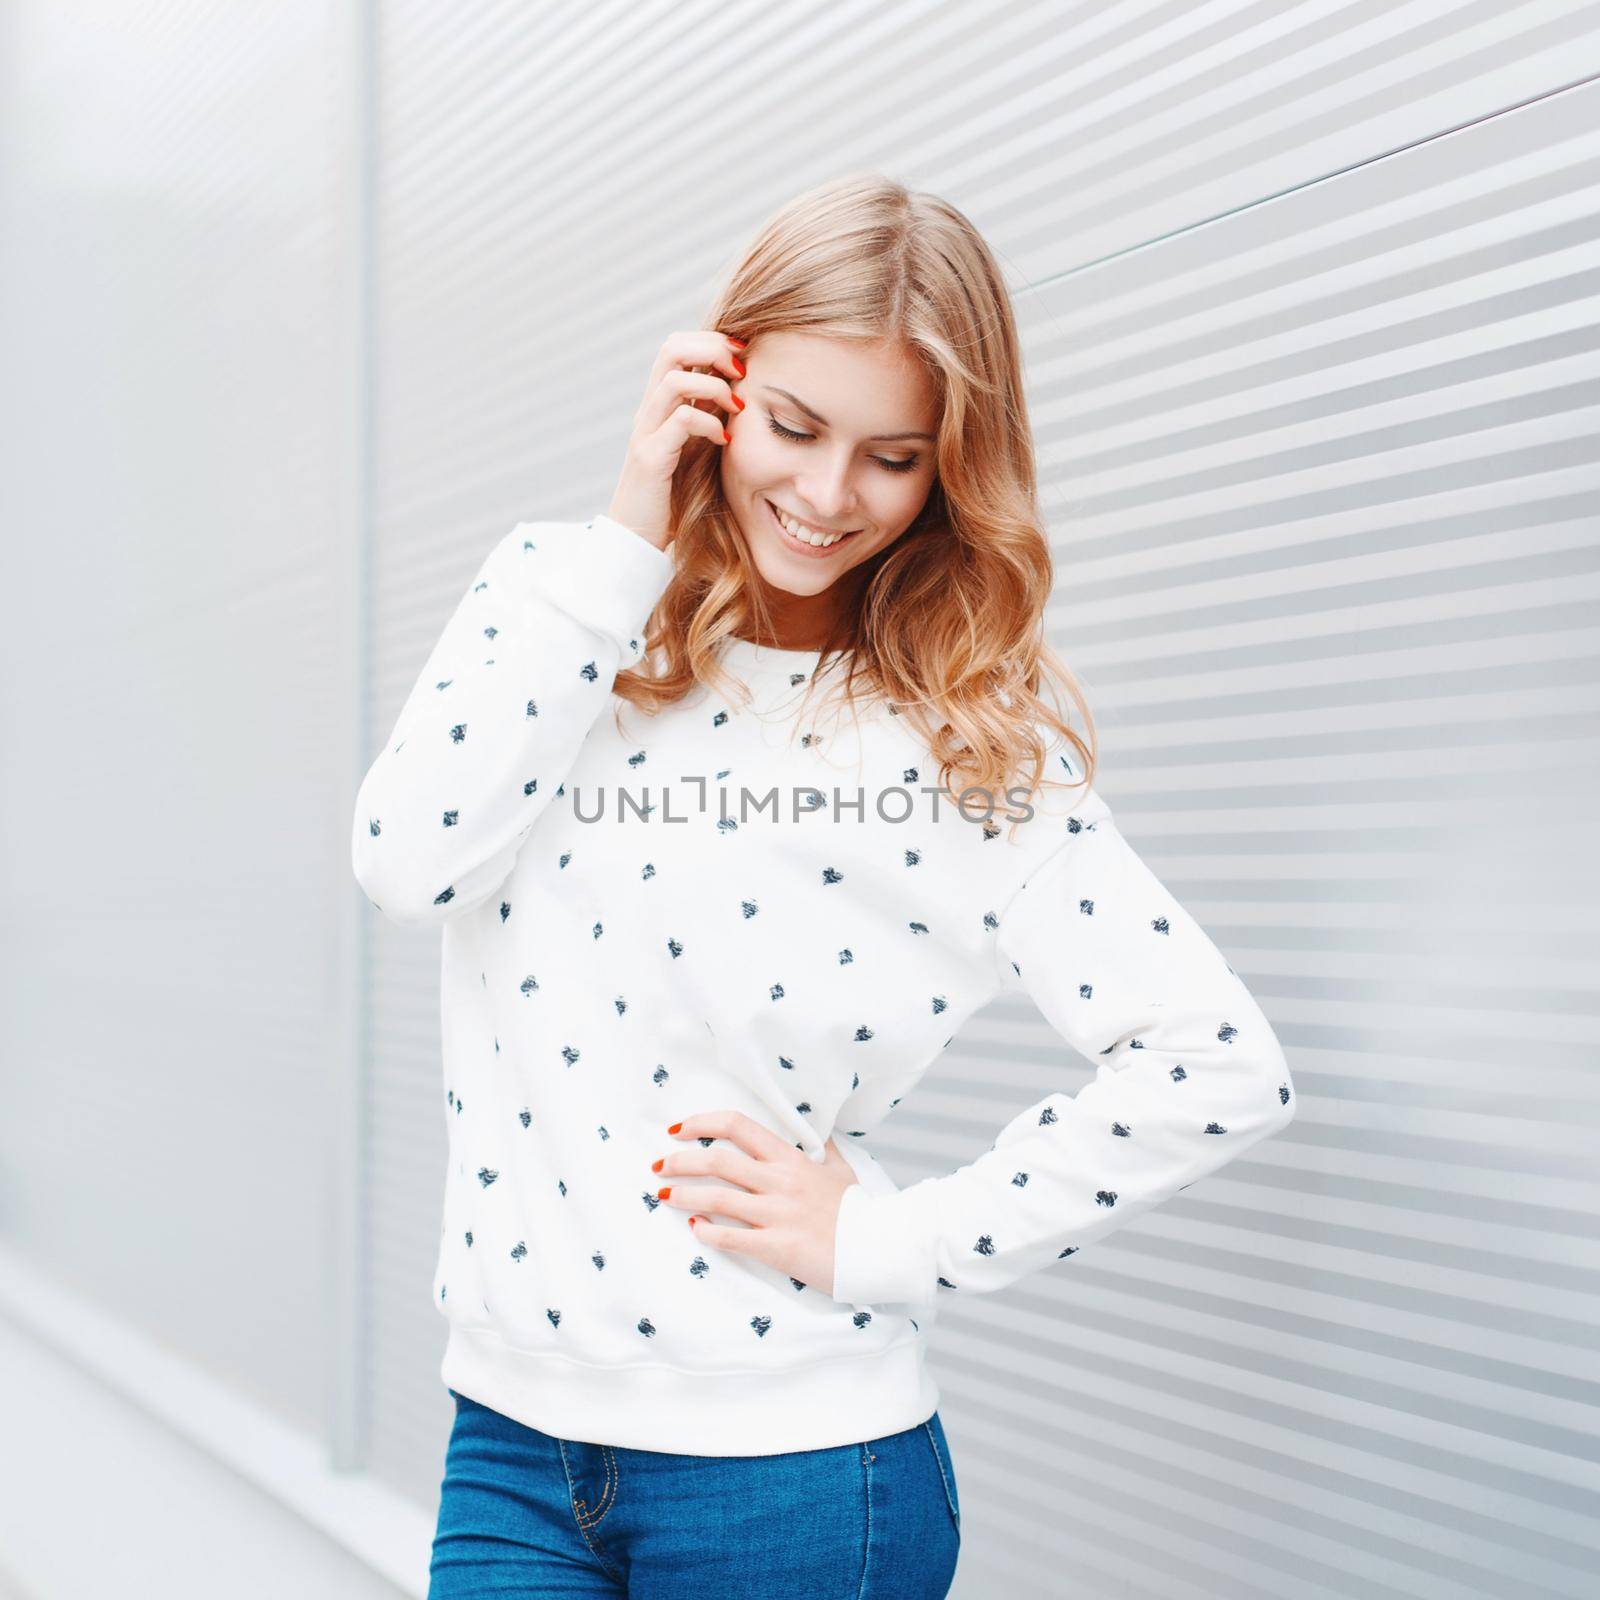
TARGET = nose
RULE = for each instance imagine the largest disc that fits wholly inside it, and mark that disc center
(828, 495)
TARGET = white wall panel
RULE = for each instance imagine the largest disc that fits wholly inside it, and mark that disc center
(177, 711)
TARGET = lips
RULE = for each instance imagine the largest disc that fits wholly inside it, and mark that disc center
(840, 540)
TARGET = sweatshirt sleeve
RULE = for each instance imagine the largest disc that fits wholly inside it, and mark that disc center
(1188, 1075)
(496, 718)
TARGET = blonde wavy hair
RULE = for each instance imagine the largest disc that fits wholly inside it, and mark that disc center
(948, 630)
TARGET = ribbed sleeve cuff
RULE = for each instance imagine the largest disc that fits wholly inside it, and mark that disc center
(883, 1248)
(603, 574)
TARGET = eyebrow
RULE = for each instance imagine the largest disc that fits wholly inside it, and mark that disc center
(822, 422)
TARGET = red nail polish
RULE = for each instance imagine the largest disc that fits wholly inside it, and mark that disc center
(738, 402)
(655, 1166)
(738, 344)
(693, 1220)
(674, 1128)
(739, 364)
(661, 1194)
(727, 438)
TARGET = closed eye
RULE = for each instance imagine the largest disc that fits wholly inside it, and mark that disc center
(789, 433)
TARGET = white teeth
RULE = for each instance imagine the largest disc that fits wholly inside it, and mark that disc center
(805, 535)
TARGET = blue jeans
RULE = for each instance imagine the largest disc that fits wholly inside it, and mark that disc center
(524, 1513)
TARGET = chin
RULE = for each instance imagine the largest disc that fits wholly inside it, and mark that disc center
(779, 574)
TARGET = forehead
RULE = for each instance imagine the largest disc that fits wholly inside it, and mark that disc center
(860, 388)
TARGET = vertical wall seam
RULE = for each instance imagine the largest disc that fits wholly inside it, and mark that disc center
(351, 1292)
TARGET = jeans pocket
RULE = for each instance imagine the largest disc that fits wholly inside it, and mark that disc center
(934, 1429)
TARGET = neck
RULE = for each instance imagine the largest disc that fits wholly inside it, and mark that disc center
(805, 622)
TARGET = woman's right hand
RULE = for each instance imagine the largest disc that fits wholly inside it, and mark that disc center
(671, 412)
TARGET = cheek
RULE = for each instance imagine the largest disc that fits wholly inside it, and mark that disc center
(749, 468)
(754, 456)
(895, 505)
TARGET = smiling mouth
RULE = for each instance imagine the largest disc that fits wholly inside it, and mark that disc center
(806, 543)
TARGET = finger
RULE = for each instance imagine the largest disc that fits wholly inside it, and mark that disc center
(756, 1140)
(685, 422)
(723, 1238)
(660, 449)
(697, 389)
(739, 1204)
(717, 1161)
(700, 347)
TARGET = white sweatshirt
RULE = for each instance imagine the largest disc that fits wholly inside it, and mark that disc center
(634, 933)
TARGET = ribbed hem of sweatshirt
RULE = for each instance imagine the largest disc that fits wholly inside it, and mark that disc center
(602, 573)
(883, 1249)
(652, 1407)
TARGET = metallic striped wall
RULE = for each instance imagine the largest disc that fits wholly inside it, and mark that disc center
(1309, 303)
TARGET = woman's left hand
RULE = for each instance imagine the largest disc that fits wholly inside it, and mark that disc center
(790, 1201)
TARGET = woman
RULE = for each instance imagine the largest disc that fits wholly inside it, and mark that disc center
(696, 950)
